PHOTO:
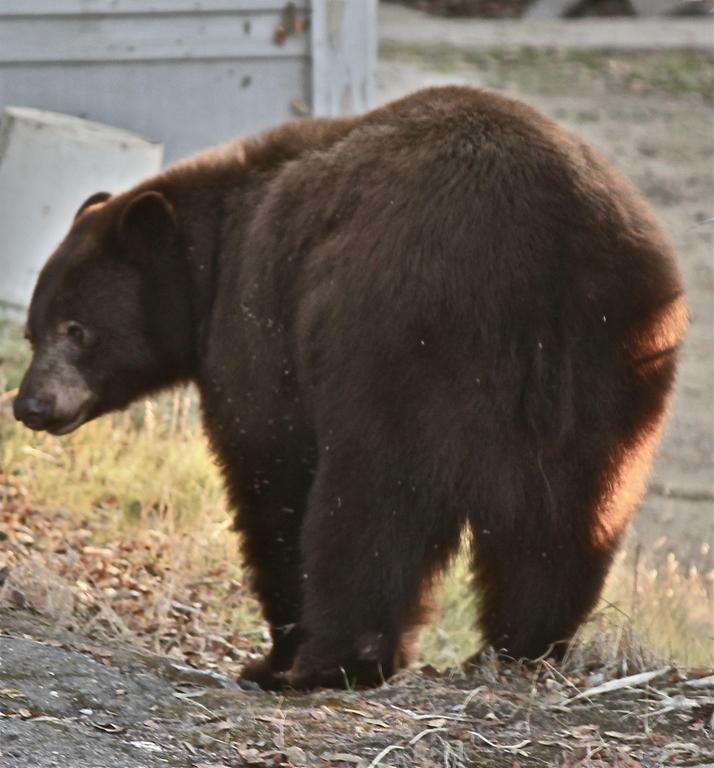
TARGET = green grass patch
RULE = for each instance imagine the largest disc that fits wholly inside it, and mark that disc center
(564, 71)
(14, 355)
(136, 467)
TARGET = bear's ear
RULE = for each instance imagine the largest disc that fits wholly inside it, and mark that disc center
(95, 199)
(148, 224)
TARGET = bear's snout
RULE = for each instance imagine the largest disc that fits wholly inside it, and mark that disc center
(34, 411)
(54, 396)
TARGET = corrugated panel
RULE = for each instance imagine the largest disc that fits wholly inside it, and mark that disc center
(147, 37)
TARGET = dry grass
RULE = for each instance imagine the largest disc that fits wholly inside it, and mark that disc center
(647, 612)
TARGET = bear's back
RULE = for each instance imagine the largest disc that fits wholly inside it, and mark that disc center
(451, 193)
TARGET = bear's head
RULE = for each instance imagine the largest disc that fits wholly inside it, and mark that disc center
(98, 315)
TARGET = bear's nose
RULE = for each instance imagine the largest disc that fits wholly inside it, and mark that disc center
(34, 412)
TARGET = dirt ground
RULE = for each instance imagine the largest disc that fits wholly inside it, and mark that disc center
(660, 135)
(106, 706)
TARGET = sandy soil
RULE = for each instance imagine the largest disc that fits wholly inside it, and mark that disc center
(661, 136)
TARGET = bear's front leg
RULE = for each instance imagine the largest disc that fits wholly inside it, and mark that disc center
(269, 519)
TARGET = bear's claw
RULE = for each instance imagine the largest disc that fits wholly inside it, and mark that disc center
(261, 674)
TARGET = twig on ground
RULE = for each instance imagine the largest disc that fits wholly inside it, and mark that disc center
(424, 733)
(429, 715)
(384, 753)
(190, 699)
(631, 681)
(552, 669)
(516, 748)
(472, 695)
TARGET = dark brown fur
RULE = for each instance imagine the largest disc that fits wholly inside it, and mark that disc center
(447, 313)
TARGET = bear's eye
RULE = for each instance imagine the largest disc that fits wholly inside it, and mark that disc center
(75, 332)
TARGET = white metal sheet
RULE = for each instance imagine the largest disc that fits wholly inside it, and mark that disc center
(147, 37)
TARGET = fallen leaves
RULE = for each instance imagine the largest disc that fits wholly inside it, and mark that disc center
(128, 585)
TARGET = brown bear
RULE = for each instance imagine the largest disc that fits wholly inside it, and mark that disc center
(446, 314)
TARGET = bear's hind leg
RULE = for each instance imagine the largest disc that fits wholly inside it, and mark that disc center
(541, 566)
(534, 594)
(369, 549)
(545, 544)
